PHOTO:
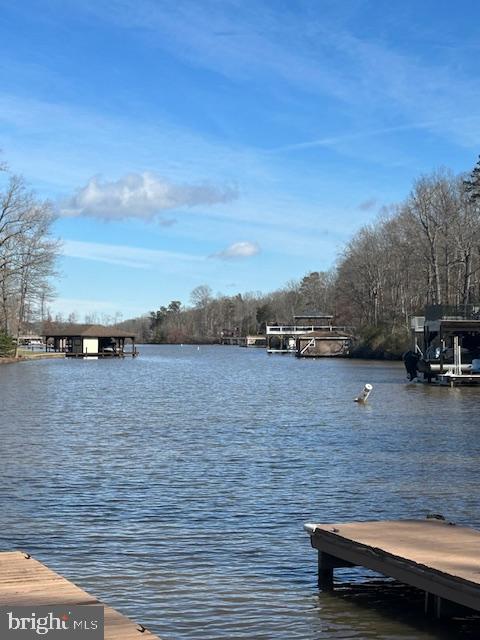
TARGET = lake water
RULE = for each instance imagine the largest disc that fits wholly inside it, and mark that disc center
(175, 486)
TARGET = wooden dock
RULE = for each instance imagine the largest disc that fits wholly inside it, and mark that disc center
(102, 354)
(436, 556)
(26, 582)
(453, 379)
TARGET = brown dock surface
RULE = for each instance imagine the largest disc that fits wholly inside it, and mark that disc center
(438, 557)
(25, 581)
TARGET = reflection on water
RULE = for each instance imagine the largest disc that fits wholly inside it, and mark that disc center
(175, 486)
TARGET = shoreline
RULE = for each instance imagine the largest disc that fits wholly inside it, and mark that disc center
(357, 354)
(32, 356)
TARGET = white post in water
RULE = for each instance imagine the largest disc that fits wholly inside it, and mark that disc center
(457, 356)
(363, 397)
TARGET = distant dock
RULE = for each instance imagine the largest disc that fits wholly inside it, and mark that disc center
(26, 582)
(312, 335)
(440, 558)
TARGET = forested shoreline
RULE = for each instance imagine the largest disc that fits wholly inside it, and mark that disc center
(422, 251)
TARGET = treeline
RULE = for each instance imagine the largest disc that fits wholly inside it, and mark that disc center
(208, 317)
(27, 258)
(424, 250)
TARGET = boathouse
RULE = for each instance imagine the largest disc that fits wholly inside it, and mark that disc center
(447, 340)
(326, 343)
(312, 334)
(90, 341)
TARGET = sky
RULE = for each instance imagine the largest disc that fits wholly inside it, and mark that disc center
(234, 143)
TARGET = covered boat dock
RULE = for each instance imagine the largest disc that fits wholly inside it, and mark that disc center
(312, 335)
(90, 341)
(447, 341)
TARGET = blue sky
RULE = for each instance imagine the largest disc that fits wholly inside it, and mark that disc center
(238, 144)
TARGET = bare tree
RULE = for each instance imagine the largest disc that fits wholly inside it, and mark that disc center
(27, 254)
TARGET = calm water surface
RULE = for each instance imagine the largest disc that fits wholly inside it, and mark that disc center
(175, 486)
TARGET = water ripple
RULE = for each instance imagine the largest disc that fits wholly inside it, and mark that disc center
(175, 486)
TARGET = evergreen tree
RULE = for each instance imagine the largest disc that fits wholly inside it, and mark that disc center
(7, 346)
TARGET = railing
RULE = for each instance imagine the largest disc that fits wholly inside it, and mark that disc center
(309, 344)
(458, 312)
(296, 328)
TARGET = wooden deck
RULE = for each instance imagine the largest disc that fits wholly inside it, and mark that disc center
(452, 379)
(25, 581)
(102, 354)
(435, 556)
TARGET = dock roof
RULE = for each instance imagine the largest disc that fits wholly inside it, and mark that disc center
(86, 331)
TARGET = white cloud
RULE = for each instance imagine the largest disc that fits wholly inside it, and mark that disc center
(145, 196)
(238, 250)
(133, 257)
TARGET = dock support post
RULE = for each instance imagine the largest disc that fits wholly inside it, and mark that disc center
(427, 607)
(433, 605)
(325, 571)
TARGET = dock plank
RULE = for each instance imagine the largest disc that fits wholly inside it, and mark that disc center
(433, 555)
(25, 581)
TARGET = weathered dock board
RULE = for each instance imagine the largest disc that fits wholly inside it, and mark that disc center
(435, 556)
(25, 581)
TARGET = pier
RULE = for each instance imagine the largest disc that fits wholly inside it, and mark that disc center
(435, 556)
(26, 582)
